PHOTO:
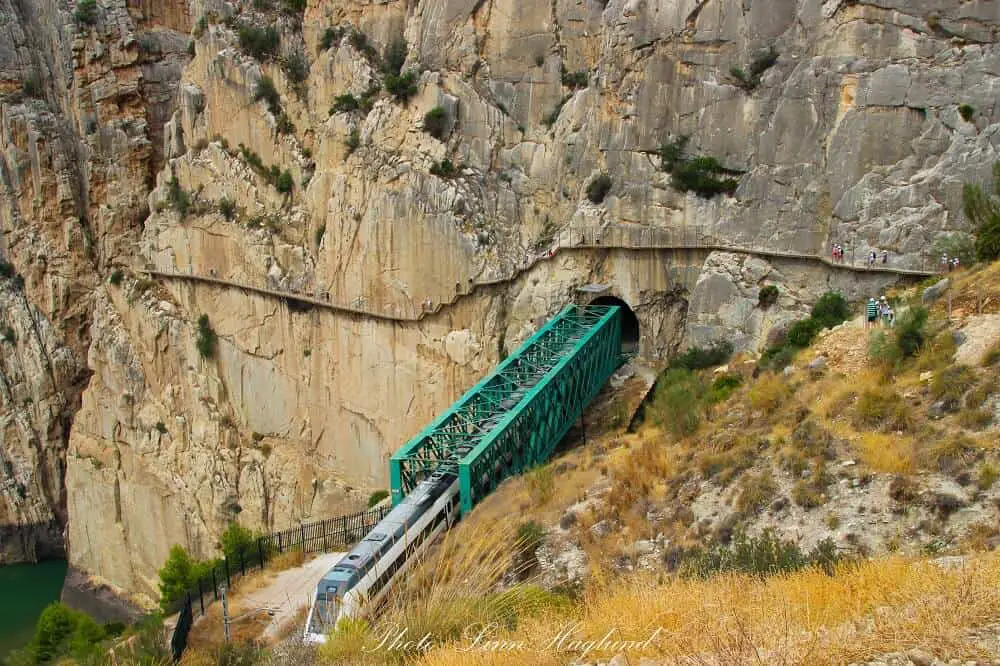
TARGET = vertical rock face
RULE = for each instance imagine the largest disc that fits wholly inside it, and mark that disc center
(151, 138)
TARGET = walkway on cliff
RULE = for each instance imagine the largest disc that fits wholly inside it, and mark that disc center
(619, 237)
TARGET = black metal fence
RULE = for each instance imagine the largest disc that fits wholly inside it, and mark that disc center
(324, 535)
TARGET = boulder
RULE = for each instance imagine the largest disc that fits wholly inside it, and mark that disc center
(935, 291)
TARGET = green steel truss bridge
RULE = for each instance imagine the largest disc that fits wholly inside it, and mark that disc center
(513, 419)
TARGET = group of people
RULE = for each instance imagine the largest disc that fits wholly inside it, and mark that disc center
(879, 313)
(837, 252)
(949, 264)
(873, 258)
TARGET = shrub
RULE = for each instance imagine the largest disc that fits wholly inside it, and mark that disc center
(330, 37)
(296, 67)
(699, 358)
(31, 87)
(435, 122)
(966, 111)
(62, 632)
(261, 43)
(284, 183)
(768, 393)
(7, 335)
(359, 41)
(988, 475)
(227, 208)
(116, 277)
(179, 573)
(344, 104)
(353, 141)
(295, 7)
(599, 188)
(6, 270)
(831, 309)
(672, 153)
(284, 124)
(949, 385)
(984, 211)
(444, 169)
(909, 331)
(777, 358)
(802, 332)
(701, 176)
(395, 57)
(762, 556)
(178, 198)
(756, 492)
(575, 79)
(723, 386)
(402, 87)
(206, 338)
(236, 540)
(200, 27)
(883, 409)
(809, 493)
(767, 296)
(377, 497)
(882, 350)
(266, 91)
(675, 403)
(529, 537)
(161, 427)
(86, 12)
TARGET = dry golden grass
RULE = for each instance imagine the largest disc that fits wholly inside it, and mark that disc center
(887, 453)
(287, 560)
(768, 393)
(806, 618)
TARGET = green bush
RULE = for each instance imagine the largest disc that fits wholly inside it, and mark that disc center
(86, 12)
(767, 296)
(698, 358)
(723, 386)
(266, 91)
(830, 310)
(62, 632)
(236, 540)
(672, 153)
(354, 140)
(910, 332)
(296, 67)
(330, 37)
(377, 497)
(161, 427)
(802, 332)
(284, 183)
(294, 7)
(179, 573)
(177, 197)
(7, 335)
(984, 211)
(766, 555)
(402, 87)
(344, 104)
(284, 124)
(444, 169)
(227, 208)
(6, 270)
(575, 79)
(529, 537)
(436, 122)
(966, 111)
(32, 88)
(395, 57)
(261, 43)
(676, 401)
(116, 277)
(207, 338)
(700, 175)
(598, 188)
(359, 41)
(750, 79)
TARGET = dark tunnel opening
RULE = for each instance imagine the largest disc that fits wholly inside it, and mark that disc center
(630, 323)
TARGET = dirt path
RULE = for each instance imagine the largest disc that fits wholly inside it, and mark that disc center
(288, 592)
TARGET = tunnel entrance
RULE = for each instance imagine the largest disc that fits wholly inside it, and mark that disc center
(630, 323)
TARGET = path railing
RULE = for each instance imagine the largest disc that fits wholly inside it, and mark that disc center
(572, 238)
(339, 532)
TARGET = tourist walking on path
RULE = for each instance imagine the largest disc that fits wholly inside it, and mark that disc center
(885, 257)
(871, 313)
(883, 312)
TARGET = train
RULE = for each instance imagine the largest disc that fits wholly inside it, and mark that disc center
(360, 582)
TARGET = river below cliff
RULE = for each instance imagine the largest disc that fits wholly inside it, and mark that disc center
(25, 590)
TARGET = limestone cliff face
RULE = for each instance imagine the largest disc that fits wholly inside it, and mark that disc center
(150, 154)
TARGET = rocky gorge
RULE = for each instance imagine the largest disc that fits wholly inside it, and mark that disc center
(144, 140)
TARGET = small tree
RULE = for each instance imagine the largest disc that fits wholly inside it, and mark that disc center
(984, 211)
(435, 122)
(767, 296)
(207, 338)
(176, 577)
(227, 208)
(285, 183)
(395, 57)
(86, 12)
(831, 309)
(236, 540)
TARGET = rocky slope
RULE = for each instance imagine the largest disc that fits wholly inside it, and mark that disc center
(136, 136)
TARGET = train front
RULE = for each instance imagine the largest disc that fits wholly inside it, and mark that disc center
(327, 605)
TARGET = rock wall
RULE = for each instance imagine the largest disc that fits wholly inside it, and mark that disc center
(150, 151)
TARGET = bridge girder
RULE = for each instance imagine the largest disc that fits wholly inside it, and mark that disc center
(513, 418)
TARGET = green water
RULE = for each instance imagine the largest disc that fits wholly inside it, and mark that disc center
(25, 589)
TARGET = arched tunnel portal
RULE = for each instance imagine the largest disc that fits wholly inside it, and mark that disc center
(630, 322)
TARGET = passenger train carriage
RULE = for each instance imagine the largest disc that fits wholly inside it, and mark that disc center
(362, 578)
